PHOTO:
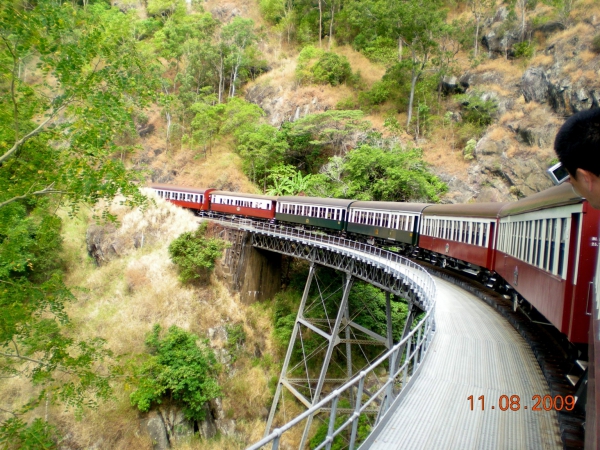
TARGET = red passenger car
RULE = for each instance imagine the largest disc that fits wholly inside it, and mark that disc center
(192, 198)
(546, 251)
(461, 234)
(247, 205)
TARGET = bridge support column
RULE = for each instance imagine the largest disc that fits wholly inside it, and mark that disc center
(333, 341)
(254, 273)
(326, 331)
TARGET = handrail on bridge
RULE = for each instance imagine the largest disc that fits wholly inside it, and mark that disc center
(407, 354)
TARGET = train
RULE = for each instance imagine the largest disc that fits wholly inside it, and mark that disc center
(540, 251)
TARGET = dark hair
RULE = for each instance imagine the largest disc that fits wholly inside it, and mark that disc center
(577, 143)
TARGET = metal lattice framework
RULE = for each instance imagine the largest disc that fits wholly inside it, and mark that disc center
(368, 394)
(376, 273)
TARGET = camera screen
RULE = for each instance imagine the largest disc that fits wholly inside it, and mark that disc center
(561, 173)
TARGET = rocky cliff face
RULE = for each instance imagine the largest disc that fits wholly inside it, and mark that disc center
(511, 159)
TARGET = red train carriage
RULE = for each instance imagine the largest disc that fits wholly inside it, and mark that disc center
(248, 205)
(187, 197)
(546, 251)
(461, 234)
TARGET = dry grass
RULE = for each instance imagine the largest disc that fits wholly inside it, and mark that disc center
(585, 10)
(579, 30)
(511, 116)
(511, 71)
(440, 150)
(370, 72)
(497, 133)
(542, 60)
(221, 169)
(587, 56)
(499, 89)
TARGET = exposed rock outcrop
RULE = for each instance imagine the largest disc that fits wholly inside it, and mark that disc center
(499, 35)
(564, 96)
(285, 105)
(510, 171)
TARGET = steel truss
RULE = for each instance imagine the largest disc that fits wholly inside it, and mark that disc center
(370, 393)
(332, 332)
(364, 269)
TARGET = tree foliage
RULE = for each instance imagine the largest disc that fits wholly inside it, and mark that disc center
(88, 79)
(177, 369)
(15, 434)
(195, 254)
(70, 79)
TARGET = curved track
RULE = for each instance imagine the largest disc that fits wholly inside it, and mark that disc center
(475, 352)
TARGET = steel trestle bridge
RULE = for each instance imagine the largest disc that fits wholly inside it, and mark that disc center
(372, 394)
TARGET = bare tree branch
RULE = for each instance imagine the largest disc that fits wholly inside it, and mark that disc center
(9, 412)
(29, 135)
(47, 190)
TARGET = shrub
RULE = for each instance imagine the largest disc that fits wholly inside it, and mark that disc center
(16, 434)
(195, 254)
(477, 109)
(318, 66)
(378, 94)
(332, 69)
(178, 369)
(524, 50)
(339, 442)
(236, 336)
(382, 50)
(596, 43)
(346, 104)
(469, 150)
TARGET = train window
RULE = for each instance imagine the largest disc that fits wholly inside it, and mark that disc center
(519, 240)
(553, 253)
(564, 229)
(485, 235)
(546, 244)
(535, 258)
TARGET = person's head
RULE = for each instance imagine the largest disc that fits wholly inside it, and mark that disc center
(577, 146)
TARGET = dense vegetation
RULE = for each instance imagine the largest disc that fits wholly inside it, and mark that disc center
(178, 370)
(195, 254)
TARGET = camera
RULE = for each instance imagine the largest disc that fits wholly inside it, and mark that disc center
(558, 173)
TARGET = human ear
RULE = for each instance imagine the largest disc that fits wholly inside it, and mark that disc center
(587, 178)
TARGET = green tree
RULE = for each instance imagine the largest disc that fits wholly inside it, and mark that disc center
(178, 369)
(238, 39)
(90, 56)
(394, 174)
(261, 150)
(195, 254)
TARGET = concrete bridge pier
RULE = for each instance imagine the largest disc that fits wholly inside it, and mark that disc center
(254, 273)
